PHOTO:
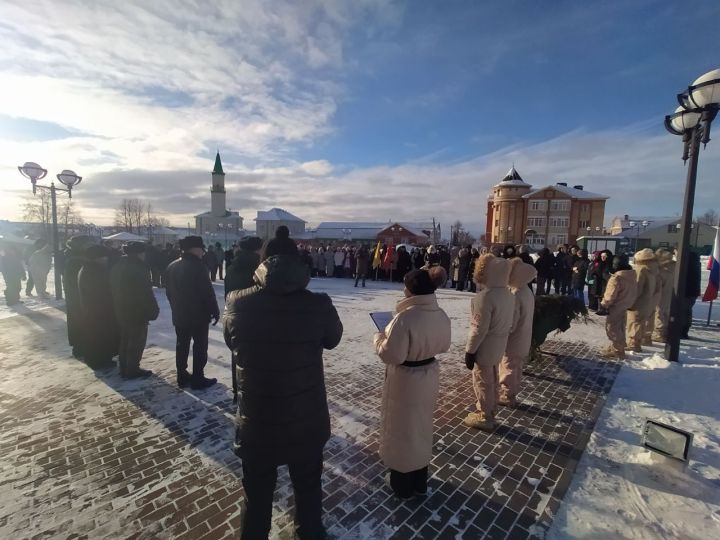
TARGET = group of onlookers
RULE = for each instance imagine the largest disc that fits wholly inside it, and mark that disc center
(37, 258)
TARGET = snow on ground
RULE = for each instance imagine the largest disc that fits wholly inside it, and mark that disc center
(619, 491)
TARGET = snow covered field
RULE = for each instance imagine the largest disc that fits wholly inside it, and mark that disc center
(619, 490)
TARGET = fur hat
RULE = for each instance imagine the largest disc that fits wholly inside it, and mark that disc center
(438, 275)
(281, 244)
(190, 242)
(419, 282)
(663, 255)
(645, 255)
(133, 248)
(97, 252)
(80, 242)
(251, 243)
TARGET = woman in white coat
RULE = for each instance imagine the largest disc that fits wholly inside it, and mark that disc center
(419, 331)
(39, 266)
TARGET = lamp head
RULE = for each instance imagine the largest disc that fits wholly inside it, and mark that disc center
(69, 179)
(682, 120)
(705, 91)
(33, 171)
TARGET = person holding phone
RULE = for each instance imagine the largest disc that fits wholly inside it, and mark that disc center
(419, 330)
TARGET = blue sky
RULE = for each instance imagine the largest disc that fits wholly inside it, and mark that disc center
(352, 110)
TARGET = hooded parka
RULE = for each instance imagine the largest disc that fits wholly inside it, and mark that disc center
(492, 309)
(620, 294)
(666, 274)
(518, 344)
(643, 307)
(239, 274)
(277, 331)
(419, 331)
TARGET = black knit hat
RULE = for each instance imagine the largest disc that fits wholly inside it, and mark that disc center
(97, 252)
(281, 244)
(251, 243)
(190, 242)
(419, 282)
(133, 248)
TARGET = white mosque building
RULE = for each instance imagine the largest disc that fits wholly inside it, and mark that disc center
(219, 224)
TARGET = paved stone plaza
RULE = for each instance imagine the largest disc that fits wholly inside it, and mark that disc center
(86, 456)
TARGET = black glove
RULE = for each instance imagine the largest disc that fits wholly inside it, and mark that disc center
(469, 360)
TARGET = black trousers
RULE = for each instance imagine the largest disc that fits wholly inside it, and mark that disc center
(406, 485)
(199, 337)
(132, 344)
(259, 478)
(359, 276)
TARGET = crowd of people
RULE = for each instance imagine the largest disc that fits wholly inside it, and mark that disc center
(277, 331)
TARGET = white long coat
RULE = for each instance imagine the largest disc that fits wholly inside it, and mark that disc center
(419, 330)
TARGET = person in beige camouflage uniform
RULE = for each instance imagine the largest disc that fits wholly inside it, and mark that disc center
(619, 296)
(643, 308)
(666, 275)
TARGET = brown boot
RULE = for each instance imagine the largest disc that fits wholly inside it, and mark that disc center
(637, 349)
(506, 400)
(480, 421)
(647, 340)
(610, 352)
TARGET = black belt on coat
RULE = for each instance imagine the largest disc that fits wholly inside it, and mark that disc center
(418, 363)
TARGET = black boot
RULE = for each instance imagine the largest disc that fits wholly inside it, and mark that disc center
(139, 373)
(200, 383)
(183, 378)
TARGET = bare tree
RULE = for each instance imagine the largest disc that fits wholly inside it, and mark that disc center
(710, 217)
(70, 217)
(130, 215)
(38, 209)
(461, 237)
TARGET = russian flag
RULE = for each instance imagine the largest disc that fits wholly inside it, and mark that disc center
(711, 293)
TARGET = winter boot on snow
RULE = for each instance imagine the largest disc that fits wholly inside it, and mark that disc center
(480, 421)
(610, 352)
(200, 383)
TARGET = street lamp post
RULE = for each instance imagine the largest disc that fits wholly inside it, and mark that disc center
(699, 106)
(69, 179)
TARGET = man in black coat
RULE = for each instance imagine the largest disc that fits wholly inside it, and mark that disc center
(239, 273)
(74, 260)
(193, 303)
(100, 333)
(135, 307)
(277, 331)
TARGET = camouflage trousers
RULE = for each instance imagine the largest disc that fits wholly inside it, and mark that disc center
(662, 319)
(615, 328)
(510, 374)
(638, 324)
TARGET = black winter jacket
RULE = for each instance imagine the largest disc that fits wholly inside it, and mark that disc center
(132, 292)
(580, 269)
(545, 265)
(100, 333)
(239, 274)
(277, 331)
(190, 292)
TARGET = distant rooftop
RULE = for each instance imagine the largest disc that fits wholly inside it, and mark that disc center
(277, 214)
(572, 192)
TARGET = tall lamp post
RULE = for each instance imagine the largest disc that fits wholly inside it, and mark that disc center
(699, 105)
(636, 226)
(69, 179)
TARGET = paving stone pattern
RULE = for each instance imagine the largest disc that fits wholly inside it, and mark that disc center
(148, 460)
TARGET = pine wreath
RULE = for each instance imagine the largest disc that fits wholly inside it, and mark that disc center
(554, 312)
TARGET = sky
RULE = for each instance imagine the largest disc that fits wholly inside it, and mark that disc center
(369, 110)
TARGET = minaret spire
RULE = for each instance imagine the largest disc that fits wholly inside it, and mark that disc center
(218, 164)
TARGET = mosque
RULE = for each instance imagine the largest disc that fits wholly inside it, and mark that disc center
(219, 224)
